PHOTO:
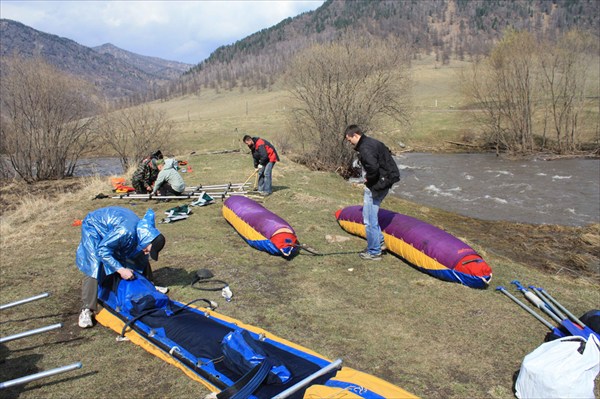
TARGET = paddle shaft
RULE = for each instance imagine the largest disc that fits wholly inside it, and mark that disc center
(537, 301)
(30, 332)
(555, 302)
(527, 308)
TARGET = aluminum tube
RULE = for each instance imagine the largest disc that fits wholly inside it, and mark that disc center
(548, 303)
(561, 307)
(22, 301)
(37, 376)
(30, 332)
(521, 304)
(291, 390)
(542, 305)
(213, 186)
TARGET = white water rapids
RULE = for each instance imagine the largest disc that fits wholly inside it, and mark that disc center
(564, 192)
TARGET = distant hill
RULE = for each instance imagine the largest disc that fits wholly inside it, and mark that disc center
(118, 73)
(151, 65)
(450, 29)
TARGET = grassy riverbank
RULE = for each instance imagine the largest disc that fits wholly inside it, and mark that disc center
(434, 339)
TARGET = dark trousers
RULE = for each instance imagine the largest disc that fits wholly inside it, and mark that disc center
(166, 189)
(139, 187)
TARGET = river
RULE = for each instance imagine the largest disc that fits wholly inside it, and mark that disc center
(564, 192)
(99, 166)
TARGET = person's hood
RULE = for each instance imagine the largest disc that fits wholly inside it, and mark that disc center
(146, 230)
(169, 163)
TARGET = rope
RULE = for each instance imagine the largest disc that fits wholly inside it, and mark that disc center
(315, 253)
(218, 288)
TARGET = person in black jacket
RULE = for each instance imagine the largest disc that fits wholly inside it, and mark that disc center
(380, 172)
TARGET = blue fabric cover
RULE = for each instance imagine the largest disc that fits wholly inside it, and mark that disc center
(139, 295)
(242, 353)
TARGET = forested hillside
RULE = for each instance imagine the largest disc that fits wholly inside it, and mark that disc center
(450, 29)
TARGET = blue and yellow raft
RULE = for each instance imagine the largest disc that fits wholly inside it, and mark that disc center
(233, 359)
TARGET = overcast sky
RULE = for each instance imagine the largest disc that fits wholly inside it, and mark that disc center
(187, 31)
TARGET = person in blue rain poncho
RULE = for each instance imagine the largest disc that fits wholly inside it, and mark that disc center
(114, 240)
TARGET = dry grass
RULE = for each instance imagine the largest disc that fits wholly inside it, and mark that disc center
(435, 339)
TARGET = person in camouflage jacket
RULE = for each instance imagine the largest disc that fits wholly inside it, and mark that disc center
(144, 177)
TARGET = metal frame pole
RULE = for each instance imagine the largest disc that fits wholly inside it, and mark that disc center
(537, 301)
(336, 365)
(548, 303)
(216, 186)
(561, 307)
(30, 332)
(37, 376)
(22, 301)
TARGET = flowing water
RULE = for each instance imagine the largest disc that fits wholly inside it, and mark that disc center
(564, 192)
(98, 166)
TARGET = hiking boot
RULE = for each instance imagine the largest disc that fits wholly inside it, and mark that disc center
(368, 256)
(85, 318)
(383, 248)
(162, 290)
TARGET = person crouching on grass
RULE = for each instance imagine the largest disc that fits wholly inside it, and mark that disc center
(114, 240)
(169, 181)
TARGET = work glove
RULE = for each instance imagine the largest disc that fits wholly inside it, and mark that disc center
(260, 167)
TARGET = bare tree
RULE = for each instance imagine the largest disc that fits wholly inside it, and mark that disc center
(504, 86)
(351, 81)
(478, 86)
(524, 76)
(565, 70)
(133, 133)
(516, 83)
(46, 121)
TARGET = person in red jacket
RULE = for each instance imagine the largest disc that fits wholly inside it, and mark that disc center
(265, 156)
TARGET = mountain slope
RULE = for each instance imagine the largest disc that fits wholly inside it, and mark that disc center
(424, 24)
(116, 77)
(449, 29)
(457, 29)
(152, 65)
